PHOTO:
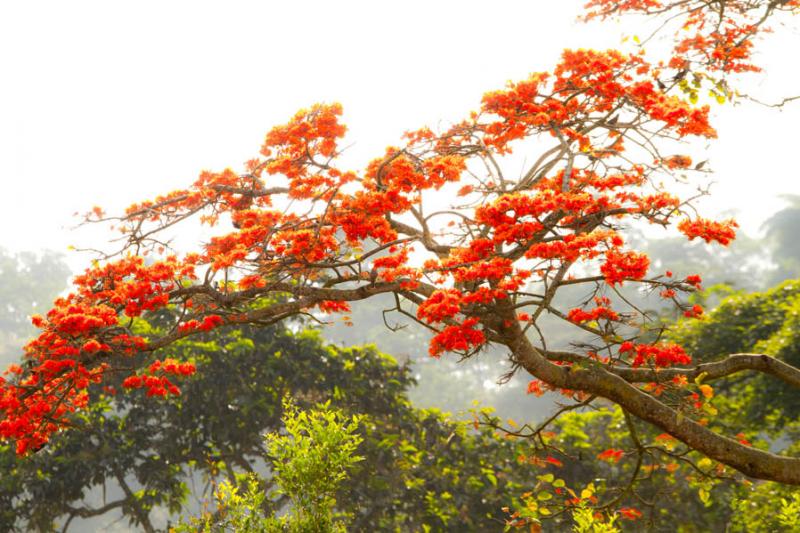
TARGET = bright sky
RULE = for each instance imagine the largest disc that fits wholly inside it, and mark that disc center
(106, 103)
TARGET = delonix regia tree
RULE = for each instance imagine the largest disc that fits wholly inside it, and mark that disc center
(443, 224)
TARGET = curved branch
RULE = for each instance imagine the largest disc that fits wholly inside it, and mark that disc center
(441, 250)
(732, 364)
(596, 380)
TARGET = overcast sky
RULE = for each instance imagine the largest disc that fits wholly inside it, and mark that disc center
(106, 103)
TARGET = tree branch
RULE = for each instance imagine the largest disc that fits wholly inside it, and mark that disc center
(596, 380)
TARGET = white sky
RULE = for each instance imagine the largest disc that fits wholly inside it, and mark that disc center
(109, 103)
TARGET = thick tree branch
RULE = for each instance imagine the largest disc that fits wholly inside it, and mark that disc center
(596, 380)
(732, 364)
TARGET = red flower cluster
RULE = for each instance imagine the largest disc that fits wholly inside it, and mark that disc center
(160, 385)
(694, 280)
(292, 150)
(661, 355)
(678, 161)
(77, 333)
(708, 230)
(611, 455)
(208, 323)
(535, 388)
(580, 316)
(630, 513)
(621, 266)
(696, 311)
(441, 305)
(331, 306)
(460, 338)
(553, 461)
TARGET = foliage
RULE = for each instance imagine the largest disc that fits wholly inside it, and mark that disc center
(212, 429)
(309, 463)
(601, 466)
(761, 322)
(239, 508)
(421, 468)
(586, 521)
(767, 507)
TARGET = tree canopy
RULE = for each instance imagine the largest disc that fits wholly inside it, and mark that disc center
(474, 252)
(147, 459)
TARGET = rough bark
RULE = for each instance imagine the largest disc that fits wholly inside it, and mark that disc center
(603, 383)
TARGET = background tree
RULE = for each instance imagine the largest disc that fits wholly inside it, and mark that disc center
(310, 463)
(148, 460)
(30, 281)
(780, 229)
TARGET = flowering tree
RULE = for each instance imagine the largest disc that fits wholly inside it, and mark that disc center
(474, 254)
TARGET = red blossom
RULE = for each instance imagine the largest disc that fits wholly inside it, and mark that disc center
(535, 387)
(330, 306)
(696, 311)
(580, 316)
(661, 355)
(462, 337)
(694, 280)
(611, 455)
(630, 513)
(553, 461)
(621, 266)
(722, 232)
